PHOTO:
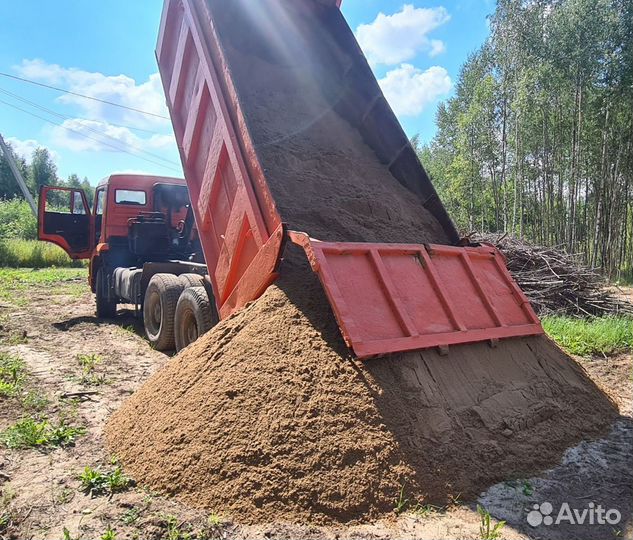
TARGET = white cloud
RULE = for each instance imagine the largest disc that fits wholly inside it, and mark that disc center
(410, 90)
(82, 135)
(25, 148)
(146, 96)
(391, 39)
(437, 47)
(98, 126)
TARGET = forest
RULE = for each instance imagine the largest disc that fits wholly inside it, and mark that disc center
(537, 141)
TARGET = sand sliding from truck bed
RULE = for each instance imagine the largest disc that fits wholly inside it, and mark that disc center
(268, 417)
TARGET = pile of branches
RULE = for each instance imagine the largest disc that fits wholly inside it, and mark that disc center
(555, 281)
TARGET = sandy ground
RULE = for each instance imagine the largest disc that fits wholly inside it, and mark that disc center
(40, 489)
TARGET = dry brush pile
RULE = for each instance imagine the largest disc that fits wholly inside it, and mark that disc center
(555, 281)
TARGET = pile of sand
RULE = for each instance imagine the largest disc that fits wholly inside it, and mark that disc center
(268, 417)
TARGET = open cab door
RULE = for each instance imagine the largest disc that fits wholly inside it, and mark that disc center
(64, 219)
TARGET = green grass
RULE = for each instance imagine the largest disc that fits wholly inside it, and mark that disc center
(96, 482)
(488, 531)
(30, 433)
(15, 282)
(89, 364)
(12, 374)
(587, 337)
(17, 253)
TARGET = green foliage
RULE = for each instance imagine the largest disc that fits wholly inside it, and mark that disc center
(96, 482)
(12, 374)
(486, 530)
(17, 220)
(426, 510)
(131, 516)
(16, 253)
(109, 534)
(538, 137)
(402, 502)
(8, 186)
(527, 488)
(174, 529)
(34, 400)
(586, 337)
(89, 364)
(68, 536)
(26, 433)
(14, 283)
(30, 433)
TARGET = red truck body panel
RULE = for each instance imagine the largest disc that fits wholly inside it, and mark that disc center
(240, 230)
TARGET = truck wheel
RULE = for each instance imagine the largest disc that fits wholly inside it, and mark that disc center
(191, 280)
(194, 316)
(106, 307)
(159, 309)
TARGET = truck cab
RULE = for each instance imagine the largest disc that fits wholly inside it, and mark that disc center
(139, 237)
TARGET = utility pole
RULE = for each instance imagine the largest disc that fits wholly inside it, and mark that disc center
(18, 176)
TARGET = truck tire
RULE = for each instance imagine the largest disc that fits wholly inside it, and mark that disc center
(159, 310)
(194, 316)
(191, 280)
(106, 306)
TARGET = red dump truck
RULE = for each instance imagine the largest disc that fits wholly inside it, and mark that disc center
(143, 248)
(285, 136)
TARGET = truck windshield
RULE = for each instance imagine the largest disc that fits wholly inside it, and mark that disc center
(128, 196)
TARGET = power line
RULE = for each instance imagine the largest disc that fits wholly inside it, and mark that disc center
(60, 115)
(82, 95)
(133, 128)
(87, 137)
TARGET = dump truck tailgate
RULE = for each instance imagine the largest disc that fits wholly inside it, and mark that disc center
(400, 297)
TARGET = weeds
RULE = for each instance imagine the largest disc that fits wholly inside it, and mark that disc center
(214, 521)
(6, 515)
(402, 503)
(64, 496)
(174, 529)
(527, 489)
(12, 374)
(34, 401)
(95, 482)
(14, 283)
(423, 511)
(16, 253)
(29, 433)
(64, 435)
(89, 364)
(486, 530)
(68, 536)
(131, 516)
(109, 534)
(585, 337)
(17, 339)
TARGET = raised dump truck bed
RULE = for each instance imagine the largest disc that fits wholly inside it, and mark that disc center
(281, 124)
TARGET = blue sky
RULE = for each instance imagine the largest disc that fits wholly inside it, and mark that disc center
(106, 49)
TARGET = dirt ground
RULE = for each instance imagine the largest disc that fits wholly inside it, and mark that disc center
(49, 325)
